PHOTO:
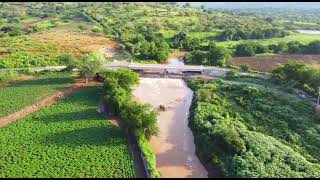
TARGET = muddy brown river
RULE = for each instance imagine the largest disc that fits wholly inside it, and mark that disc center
(174, 146)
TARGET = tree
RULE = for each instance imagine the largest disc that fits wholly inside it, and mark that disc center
(259, 48)
(70, 61)
(295, 47)
(196, 57)
(89, 65)
(218, 55)
(244, 68)
(313, 47)
(245, 49)
(141, 118)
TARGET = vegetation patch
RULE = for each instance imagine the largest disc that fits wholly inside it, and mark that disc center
(141, 119)
(254, 132)
(75, 43)
(269, 63)
(67, 139)
(17, 96)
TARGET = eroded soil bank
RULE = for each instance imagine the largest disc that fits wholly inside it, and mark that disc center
(174, 146)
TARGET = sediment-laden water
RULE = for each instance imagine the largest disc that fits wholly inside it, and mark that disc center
(174, 146)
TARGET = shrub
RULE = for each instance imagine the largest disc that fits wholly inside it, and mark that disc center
(231, 74)
(70, 61)
(89, 65)
(7, 76)
(245, 49)
(244, 68)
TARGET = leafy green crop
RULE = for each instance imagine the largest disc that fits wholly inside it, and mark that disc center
(252, 132)
(15, 97)
(67, 139)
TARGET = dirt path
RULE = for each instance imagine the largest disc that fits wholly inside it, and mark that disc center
(48, 101)
(174, 146)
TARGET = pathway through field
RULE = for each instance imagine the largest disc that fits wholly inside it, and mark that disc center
(174, 147)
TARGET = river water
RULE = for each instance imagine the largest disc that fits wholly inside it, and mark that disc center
(174, 146)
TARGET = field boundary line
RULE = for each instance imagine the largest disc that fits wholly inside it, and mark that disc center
(43, 103)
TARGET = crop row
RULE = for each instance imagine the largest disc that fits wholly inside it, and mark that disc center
(67, 139)
(15, 97)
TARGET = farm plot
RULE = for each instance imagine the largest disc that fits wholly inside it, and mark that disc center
(76, 43)
(68, 139)
(17, 96)
(268, 63)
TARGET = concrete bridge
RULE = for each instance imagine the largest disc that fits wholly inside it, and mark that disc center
(170, 69)
(161, 69)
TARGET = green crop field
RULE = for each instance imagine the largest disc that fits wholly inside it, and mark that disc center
(303, 38)
(67, 139)
(16, 96)
(255, 132)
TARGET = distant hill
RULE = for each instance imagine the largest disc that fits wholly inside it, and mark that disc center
(254, 5)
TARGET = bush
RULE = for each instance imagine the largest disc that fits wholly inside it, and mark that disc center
(81, 27)
(196, 57)
(88, 65)
(7, 76)
(140, 118)
(218, 55)
(244, 68)
(231, 74)
(251, 132)
(245, 49)
(149, 156)
(70, 61)
(298, 74)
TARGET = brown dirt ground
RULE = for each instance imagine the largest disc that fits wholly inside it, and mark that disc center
(75, 43)
(48, 101)
(268, 63)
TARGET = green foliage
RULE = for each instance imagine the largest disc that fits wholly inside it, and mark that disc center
(140, 118)
(17, 96)
(239, 32)
(218, 55)
(148, 46)
(244, 68)
(245, 49)
(300, 75)
(197, 57)
(8, 76)
(252, 132)
(294, 47)
(23, 52)
(231, 74)
(67, 139)
(89, 65)
(313, 47)
(70, 61)
(149, 156)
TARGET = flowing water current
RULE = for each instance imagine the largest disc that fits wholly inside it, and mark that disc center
(174, 146)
